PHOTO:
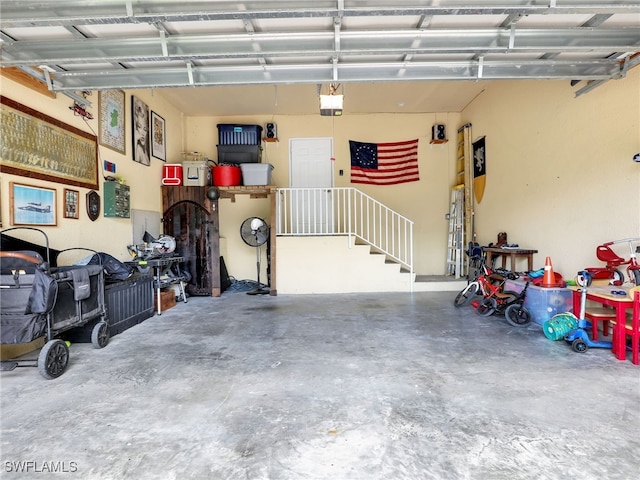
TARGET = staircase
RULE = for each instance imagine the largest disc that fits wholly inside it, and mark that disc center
(340, 240)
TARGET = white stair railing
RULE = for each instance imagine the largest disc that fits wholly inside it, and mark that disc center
(345, 211)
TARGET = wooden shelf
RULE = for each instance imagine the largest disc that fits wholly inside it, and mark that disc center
(438, 142)
(254, 191)
(270, 140)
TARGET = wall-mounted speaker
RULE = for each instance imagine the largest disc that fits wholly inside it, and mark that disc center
(438, 132)
(270, 130)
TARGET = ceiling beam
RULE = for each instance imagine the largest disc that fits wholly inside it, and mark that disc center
(18, 13)
(253, 44)
(108, 43)
(319, 74)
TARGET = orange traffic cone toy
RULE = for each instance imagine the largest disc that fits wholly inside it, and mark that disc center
(549, 277)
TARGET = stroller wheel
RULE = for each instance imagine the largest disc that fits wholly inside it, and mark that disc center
(100, 335)
(579, 345)
(53, 359)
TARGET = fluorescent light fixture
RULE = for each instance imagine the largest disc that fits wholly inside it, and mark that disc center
(331, 105)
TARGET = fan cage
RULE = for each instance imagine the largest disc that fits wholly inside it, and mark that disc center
(252, 236)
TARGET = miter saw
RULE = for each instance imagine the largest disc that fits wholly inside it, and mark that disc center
(164, 246)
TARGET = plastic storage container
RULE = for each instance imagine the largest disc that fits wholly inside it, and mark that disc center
(239, 153)
(235, 134)
(543, 303)
(227, 175)
(172, 174)
(196, 174)
(256, 173)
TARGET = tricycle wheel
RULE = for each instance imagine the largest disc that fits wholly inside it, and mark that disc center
(579, 345)
(636, 276)
(617, 278)
(487, 307)
(465, 296)
(517, 315)
(100, 334)
(53, 359)
(584, 278)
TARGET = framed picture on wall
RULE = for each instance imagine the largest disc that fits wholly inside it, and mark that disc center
(71, 203)
(37, 146)
(31, 205)
(158, 137)
(140, 130)
(111, 120)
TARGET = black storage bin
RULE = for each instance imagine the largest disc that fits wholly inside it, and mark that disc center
(65, 306)
(128, 303)
(239, 154)
(236, 134)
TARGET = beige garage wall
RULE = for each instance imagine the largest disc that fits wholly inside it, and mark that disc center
(425, 202)
(560, 175)
(111, 235)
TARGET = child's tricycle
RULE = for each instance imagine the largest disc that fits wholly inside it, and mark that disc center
(613, 261)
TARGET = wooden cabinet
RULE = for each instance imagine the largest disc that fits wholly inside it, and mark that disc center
(192, 219)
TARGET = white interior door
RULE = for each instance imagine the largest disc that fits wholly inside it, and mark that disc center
(310, 166)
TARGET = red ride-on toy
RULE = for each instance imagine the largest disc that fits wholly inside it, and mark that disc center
(613, 261)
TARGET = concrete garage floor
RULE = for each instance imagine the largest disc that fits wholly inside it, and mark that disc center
(363, 386)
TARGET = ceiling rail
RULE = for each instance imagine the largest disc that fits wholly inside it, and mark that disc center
(19, 13)
(189, 75)
(397, 42)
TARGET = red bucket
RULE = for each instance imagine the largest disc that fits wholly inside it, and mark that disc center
(227, 176)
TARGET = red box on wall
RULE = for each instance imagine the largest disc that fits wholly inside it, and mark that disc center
(172, 174)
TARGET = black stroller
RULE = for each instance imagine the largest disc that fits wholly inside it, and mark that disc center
(37, 300)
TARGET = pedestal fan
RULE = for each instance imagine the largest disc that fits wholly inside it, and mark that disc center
(255, 232)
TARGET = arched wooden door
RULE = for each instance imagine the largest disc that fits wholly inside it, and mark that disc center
(189, 223)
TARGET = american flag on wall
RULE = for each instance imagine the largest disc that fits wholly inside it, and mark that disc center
(384, 163)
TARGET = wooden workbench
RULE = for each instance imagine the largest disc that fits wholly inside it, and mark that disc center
(513, 254)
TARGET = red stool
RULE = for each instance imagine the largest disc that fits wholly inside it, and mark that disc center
(599, 314)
